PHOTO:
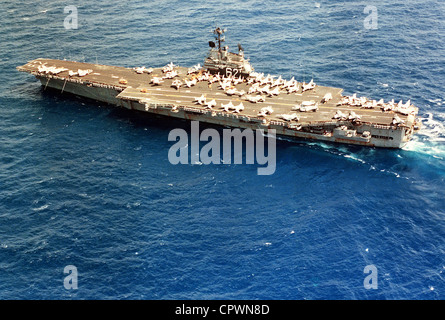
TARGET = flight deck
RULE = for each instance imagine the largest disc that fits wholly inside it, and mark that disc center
(305, 110)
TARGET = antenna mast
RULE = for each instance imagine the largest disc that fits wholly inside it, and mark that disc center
(218, 32)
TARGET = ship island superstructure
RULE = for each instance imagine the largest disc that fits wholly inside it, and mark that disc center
(227, 91)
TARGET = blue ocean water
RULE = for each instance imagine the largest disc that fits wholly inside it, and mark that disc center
(88, 185)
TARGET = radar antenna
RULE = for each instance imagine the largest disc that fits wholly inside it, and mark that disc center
(220, 60)
(218, 32)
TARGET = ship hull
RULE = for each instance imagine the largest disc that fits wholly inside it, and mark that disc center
(381, 136)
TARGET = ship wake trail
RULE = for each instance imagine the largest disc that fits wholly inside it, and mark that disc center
(431, 139)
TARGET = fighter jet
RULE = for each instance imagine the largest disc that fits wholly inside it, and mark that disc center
(404, 108)
(194, 69)
(353, 116)
(255, 99)
(50, 70)
(254, 88)
(396, 120)
(261, 98)
(380, 102)
(190, 83)
(56, 70)
(231, 91)
(309, 107)
(139, 70)
(265, 111)
(289, 117)
(171, 74)
(344, 100)
(404, 111)
(370, 104)
(225, 84)
(238, 108)
(293, 88)
(274, 92)
(212, 79)
(227, 107)
(404, 105)
(177, 84)
(296, 107)
(277, 82)
(168, 67)
(82, 73)
(407, 104)
(309, 86)
(327, 97)
(339, 115)
(200, 100)
(210, 104)
(264, 89)
(388, 106)
(156, 81)
(238, 80)
(363, 100)
(291, 82)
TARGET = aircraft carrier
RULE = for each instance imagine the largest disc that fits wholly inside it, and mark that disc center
(227, 91)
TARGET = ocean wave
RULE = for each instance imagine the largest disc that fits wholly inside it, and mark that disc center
(83, 186)
(430, 139)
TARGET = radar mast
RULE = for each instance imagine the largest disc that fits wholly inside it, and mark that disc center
(220, 60)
